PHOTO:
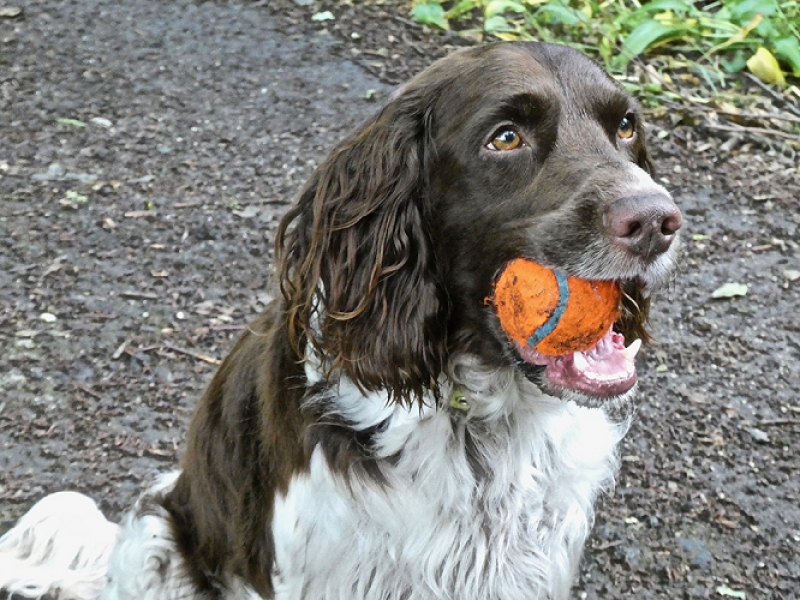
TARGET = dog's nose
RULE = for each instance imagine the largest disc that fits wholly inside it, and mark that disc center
(644, 225)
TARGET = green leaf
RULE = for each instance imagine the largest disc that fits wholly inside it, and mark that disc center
(737, 62)
(563, 15)
(788, 48)
(497, 23)
(461, 8)
(724, 590)
(766, 28)
(730, 290)
(430, 13)
(648, 33)
(658, 6)
(498, 7)
(744, 10)
(72, 122)
(662, 5)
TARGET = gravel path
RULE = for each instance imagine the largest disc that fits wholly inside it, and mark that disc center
(147, 150)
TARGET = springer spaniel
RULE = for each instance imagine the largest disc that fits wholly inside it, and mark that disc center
(375, 434)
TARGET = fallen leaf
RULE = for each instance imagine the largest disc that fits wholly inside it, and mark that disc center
(248, 212)
(72, 122)
(730, 290)
(26, 333)
(82, 177)
(158, 452)
(76, 197)
(765, 66)
(54, 171)
(791, 274)
(724, 590)
(145, 179)
(323, 16)
(10, 12)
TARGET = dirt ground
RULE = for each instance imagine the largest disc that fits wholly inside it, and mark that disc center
(147, 149)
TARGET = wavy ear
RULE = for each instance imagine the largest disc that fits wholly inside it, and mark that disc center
(358, 272)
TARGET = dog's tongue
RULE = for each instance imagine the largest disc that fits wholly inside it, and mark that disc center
(605, 370)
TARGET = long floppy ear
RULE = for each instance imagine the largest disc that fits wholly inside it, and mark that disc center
(358, 273)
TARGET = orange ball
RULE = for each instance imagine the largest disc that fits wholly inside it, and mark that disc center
(554, 314)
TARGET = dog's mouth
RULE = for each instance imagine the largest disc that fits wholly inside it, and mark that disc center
(604, 372)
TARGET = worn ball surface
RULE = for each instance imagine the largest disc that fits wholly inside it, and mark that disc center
(553, 313)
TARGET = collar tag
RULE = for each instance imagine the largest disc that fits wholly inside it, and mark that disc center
(458, 401)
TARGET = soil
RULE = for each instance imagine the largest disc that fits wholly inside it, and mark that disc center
(147, 150)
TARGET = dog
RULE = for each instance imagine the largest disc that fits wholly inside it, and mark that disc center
(376, 434)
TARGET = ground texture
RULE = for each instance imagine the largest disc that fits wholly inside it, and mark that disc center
(147, 150)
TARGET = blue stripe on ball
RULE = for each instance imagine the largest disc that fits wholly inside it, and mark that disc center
(563, 299)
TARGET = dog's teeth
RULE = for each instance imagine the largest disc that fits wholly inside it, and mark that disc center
(580, 362)
(631, 351)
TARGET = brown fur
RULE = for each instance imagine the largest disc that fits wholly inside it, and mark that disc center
(384, 263)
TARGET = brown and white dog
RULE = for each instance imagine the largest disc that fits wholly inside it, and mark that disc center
(375, 434)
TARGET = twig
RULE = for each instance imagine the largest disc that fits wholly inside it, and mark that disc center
(754, 130)
(121, 350)
(141, 214)
(147, 348)
(228, 327)
(772, 93)
(607, 545)
(86, 390)
(203, 357)
(749, 115)
(134, 295)
(779, 422)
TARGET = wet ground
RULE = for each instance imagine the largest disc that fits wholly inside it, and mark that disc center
(147, 150)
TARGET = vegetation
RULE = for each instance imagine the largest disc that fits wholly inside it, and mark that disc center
(709, 39)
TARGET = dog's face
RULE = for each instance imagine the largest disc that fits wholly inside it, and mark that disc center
(494, 153)
(537, 153)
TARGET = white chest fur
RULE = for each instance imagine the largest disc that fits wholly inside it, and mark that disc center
(490, 503)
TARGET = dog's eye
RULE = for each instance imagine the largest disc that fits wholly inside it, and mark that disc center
(627, 127)
(506, 139)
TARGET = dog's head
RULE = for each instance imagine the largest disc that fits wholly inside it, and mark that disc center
(493, 153)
